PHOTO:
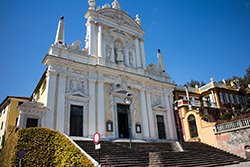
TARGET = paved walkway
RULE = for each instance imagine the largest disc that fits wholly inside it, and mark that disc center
(243, 164)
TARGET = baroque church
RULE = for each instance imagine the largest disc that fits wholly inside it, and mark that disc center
(105, 87)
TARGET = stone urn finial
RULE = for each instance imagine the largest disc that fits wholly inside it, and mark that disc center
(91, 4)
(137, 19)
(116, 5)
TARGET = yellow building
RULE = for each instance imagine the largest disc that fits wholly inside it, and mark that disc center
(9, 115)
(197, 110)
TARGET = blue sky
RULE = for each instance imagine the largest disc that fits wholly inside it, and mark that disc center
(199, 39)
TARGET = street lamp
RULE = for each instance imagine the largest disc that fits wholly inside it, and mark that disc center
(128, 101)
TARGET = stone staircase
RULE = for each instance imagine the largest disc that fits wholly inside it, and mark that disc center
(195, 154)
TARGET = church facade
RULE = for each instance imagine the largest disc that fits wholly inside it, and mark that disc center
(106, 86)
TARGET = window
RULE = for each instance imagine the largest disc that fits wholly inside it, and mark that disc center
(237, 98)
(221, 98)
(1, 125)
(227, 98)
(16, 121)
(76, 120)
(231, 98)
(20, 103)
(31, 122)
(192, 126)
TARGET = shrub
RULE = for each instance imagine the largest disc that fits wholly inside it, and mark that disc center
(45, 147)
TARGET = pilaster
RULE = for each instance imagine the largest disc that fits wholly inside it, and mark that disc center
(170, 116)
(150, 116)
(92, 108)
(51, 80)
(100, 43)
(100, 109)
(61, 103)
(92, 38)
(137, 52)
(144, 114)
(143, 57)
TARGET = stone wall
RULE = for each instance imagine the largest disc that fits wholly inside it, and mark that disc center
(234, 141)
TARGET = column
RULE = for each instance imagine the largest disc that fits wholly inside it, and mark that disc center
(61, 103)
(20, 121)
(92, 108)
(217, 99)
(144, 115)
(143, 57)
(150, 116)
(127, 57)
(51, 89)
(100, 109)
(91, 30)
(137, 52)
(100, 45)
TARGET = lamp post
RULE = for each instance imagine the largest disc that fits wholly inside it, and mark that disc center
(128, 101)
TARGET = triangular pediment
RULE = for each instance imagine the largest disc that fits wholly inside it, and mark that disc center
(76, 93)
(119, 17)
(159, 107)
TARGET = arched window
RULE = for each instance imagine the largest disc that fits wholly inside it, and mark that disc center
(192, 126)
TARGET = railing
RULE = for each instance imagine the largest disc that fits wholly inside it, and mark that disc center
(231, 126)
(195, 103)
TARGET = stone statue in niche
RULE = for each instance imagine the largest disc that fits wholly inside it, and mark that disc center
(119, 52)
(108, 52)
(131, 59)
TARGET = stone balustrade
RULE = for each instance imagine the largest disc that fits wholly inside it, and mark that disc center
(231, 126)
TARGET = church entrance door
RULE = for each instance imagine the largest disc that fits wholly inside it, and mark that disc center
(76, 120)
(123, 120)
(161, 127)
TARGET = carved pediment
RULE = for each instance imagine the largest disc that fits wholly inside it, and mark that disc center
(76, 93)
(77, 96)
(33, 107)
(159, 107)
(119, 17)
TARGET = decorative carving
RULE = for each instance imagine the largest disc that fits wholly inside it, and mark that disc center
(108, 52)
(124, 81)
(77, 86)
(87, 39)
(119, 17)
(119, 52)
(153, 69)
(106, 6)
(131, 59)
(238, 137)
(75, 46)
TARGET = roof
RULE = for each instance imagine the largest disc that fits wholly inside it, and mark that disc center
(39, 83)
(5, 101)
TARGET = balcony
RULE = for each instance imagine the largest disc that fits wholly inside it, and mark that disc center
(231, 126)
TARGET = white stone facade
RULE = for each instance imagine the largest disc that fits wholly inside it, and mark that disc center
(111, 67)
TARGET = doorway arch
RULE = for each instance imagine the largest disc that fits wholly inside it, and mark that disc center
(192, 126)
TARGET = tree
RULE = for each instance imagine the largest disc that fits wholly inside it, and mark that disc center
(193, 82)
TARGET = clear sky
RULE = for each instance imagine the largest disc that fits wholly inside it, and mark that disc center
(199, 39)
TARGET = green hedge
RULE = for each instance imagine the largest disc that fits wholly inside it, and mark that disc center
(45, 147)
